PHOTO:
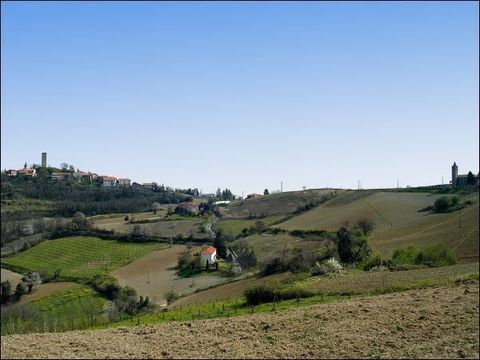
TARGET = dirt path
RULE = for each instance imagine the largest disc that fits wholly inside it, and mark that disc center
(431, 323)
(13, 277)
(154, 275)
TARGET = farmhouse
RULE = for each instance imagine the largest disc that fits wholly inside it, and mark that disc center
(108, 181)
(188, 207)
(27, 172)
(124, 182)
(152, 185)
(83, 176)
(209, 255)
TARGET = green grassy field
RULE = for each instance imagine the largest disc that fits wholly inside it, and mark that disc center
(235, 227)
(75, 308)
(78, 257)
(360, 282)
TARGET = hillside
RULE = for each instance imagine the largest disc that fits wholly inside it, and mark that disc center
(433, 323)
(284, 203)
(397, 220)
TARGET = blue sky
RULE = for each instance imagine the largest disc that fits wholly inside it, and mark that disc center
(243, 95)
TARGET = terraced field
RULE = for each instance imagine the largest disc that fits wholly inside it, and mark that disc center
(72, 307)
(78, 257)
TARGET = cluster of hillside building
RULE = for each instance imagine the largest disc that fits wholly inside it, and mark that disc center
(64, 175)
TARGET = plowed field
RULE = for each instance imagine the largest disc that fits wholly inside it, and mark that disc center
(432, 323)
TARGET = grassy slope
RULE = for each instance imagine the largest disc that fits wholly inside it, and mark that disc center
(267, 246)
(274, 204)
(397, 220)
(163, 227)
(328, 290)
(235, 227)
(78, 257)
(360, 282)
(74, 308)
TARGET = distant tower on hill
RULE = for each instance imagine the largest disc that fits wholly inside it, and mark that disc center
(44, 159)
(454, 174)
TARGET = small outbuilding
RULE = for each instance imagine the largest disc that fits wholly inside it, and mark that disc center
(209, 256)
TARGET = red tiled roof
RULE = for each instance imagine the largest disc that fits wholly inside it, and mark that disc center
(108, 178)
(208, 250)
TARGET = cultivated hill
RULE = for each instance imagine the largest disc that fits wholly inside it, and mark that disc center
(284, 203)
(397, 219)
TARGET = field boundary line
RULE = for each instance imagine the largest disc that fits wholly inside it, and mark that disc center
(379, 213)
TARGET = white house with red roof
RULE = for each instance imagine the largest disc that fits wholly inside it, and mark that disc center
(209, 255)
(27, 172)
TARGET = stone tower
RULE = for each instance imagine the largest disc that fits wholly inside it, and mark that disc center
(44, 159)
(454, 174)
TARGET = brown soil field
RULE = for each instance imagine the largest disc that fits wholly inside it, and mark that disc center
(154, 275)
(431, 323)
(11, 276)
(397, 221)
(226, 291)
(46, 289)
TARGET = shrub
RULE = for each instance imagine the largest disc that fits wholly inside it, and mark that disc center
(105, 285)
(352, 245)
(431, 256)
(325, 267)
(20, 291)
(275, 265)
(436, 256)
(263, 294)
(442, 204)
(372, 261)
(5, 292)
(187, 262)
